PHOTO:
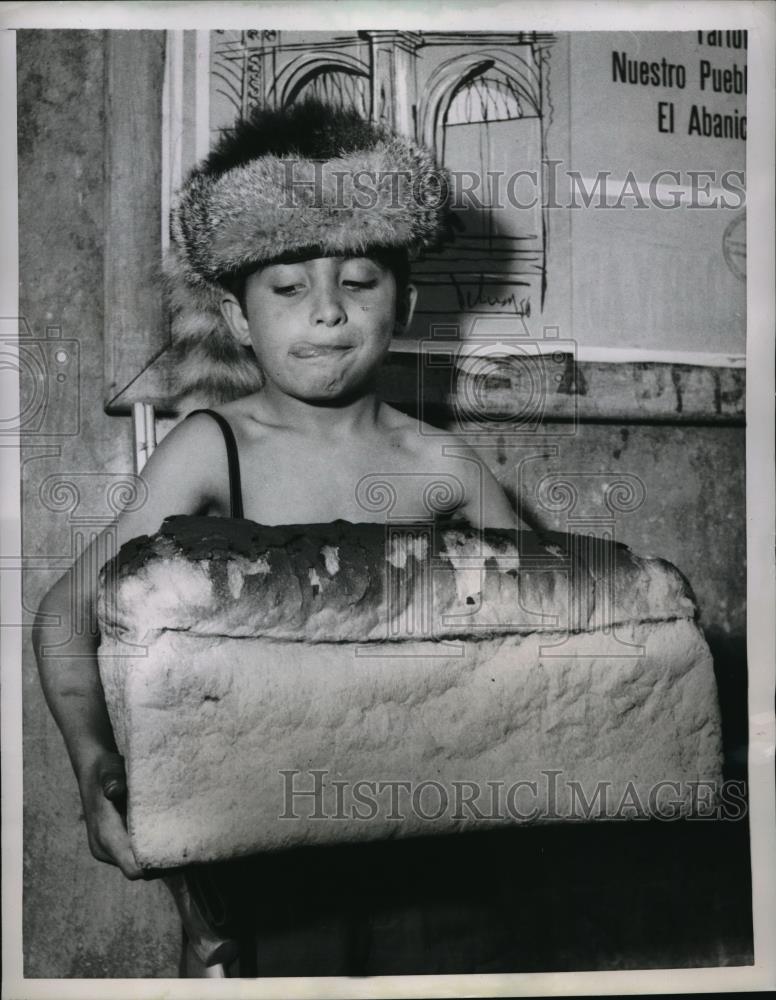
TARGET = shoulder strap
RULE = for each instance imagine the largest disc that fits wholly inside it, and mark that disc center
(233, 461)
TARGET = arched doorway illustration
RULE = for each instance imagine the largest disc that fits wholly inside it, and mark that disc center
(483, 117)
(344, 86)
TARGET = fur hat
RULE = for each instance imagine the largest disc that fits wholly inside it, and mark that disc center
(310, 180)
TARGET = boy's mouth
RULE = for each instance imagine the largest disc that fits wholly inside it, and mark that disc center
(306, 350)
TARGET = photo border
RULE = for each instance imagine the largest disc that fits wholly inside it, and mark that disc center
(760, 20)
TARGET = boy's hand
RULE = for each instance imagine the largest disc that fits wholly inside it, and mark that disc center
(103, 793)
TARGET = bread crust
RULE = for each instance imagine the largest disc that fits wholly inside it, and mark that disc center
(344, 582)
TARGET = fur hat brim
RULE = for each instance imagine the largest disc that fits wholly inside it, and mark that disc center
(388, 196)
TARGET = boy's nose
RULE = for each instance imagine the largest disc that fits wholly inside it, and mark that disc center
(327, 308)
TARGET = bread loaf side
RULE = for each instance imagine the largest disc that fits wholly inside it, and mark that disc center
(234, 656)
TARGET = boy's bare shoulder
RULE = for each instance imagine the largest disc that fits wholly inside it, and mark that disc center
(397, 420)
(247, 416)
(195, 431)
(437, 451)
(188, 465)
(180, 477)
(436, 444)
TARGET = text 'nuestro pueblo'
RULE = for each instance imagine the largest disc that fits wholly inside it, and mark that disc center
(711, 75)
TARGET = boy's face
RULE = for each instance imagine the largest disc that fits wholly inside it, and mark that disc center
(320, 327)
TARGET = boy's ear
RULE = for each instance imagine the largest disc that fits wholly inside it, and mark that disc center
(235, 319)
(406, 308)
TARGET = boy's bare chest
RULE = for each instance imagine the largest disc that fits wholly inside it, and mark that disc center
(357, 481)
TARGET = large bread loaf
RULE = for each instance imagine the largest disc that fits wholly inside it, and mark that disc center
(481, 678)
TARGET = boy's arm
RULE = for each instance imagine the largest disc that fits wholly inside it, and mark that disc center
(496, 510)
(179, 477)
(71, 685)
(485, 503)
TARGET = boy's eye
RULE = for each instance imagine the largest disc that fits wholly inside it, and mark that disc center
(285, 289)
(352, 283)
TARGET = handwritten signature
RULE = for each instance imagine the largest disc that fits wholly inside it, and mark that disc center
(469, 299)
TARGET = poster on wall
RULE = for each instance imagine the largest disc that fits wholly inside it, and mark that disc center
(592, 176)
(658, 155)
(387, 614)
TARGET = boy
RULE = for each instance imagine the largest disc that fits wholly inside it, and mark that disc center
(287, 290)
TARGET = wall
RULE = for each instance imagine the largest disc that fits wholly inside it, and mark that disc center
(82, 918)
